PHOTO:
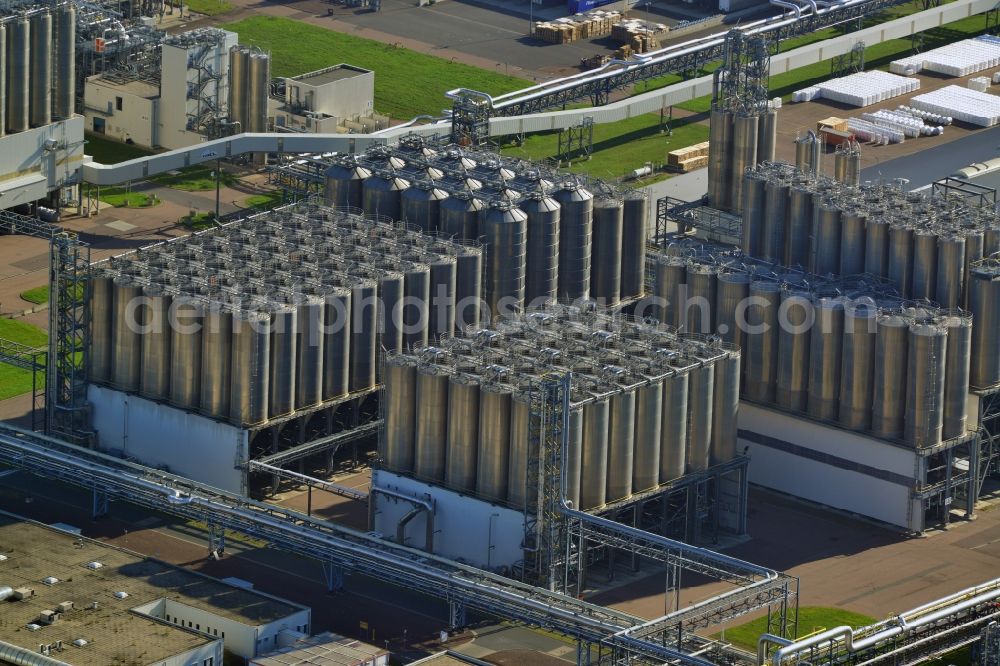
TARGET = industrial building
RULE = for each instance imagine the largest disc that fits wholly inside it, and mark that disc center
(70, 600)
(340, 98)
(324, 649)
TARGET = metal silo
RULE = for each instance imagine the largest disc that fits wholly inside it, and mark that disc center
(542, 262)
(725, 407)
(701, 286)
(889, 377)
(239, 67)
(796, 318)
(258, 91)
(877, 245)
(852, 242)
(636, 212)
(744, 157)
(606, 252)
(575, 239)
(991, 240)
(732, 290)
(984, 301)
(621, 445)
(825, 348)
(720, 150)
(462, 432)
(701, 399)
(216, 359)
(956, 374)
(459, 215)
(18, 74)
(773, 235)
(517, 465)
(40, 106)
(397, 447)
(950, 271)
(421, 205)
(126, 343)
(468, 288)
(100, 290)
(185, 352)
(345, 181)
(64, 83)
(824, 241)
(493, 453)
(670, 280)
(250, 377)
(648, 433)
(431, 422)
(284, 359)
(382, 194)
(925, 375)
(857, 365)
(364, 327)
(3, 79)
(336, 343)
(674, 435)
(924, 265)
(754, 194)
(800, 215)
(760, 353)
(415, 304)
(767, 132)
(441, 307)
(807, 153)
(310, 352)
(594, 455)
(573, 457)
(154, 379)
(975, 240)
(901, 259)
(504, 228)
(390, 311)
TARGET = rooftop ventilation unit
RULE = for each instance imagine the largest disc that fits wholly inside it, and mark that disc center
(121, 595)
(32, 626)
(94, 565)
(50, 580)
(79, 642)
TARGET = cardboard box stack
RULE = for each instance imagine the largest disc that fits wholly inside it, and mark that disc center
(594, 23)
(690, 158)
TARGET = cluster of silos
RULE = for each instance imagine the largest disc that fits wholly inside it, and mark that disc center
(541, 230)
(37, 66)
(847, 163)
(737, 141)
(841, 351)
(275, 313)
(249, 88)
(647, 406)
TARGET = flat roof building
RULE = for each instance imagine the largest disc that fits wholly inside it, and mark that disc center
(326, 649)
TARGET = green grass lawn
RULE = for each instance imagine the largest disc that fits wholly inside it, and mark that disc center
(208, 7)
(15, 381)
(811, 620)
(36, 295)
(407, 83)
(118, 197)
(269, 200)
(109, 151)
(198, 221)
(198, 178)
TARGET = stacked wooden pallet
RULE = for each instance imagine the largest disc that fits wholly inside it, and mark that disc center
(644, 43)
(595, 23)
(690, 158)
(625, 30)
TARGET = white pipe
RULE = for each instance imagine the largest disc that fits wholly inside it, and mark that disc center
(769, 639)
(788, 5)
(19, 656)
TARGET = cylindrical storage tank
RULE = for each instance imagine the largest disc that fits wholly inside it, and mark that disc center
(517, 465)
(18, 74)
(128, 315)
(824, 241)
(458, 216)
(840, 165)
(64, 83)
(421, 205)
(701, 399)
(250, 376)
(336, 343)
(767, 133)
(415, 305)
(468, 288)
(542, 256)
(760, 352)
(238, 72)
(984, 301)
(345, 183)
(773, 236)
(259, 78)
(606, 272)
(576, 222)
(40, 107)
(744, 156)
(100, 291)
(720, 150)
(635, 213)
(573, 457)
(493, 452)
(796, 319)
(950, 271)
(364, 328)
(154, 382)
(701, 286)
(3, 79)
(216, 360)
(800, 217)
(725, 407)
(956, 375)
(857, 365)
(825, 348)
(901, 259)
(674, 434)
(390, 311)
(441, 307)
(284, 359)
(852, 242)
(398, 442)
(889, 377)
(382, 194)
(594, 455)
(975, 240)
(876, 246)
(924, 265)
(462, 433)
(754, 196)
(310, 352)
(670, 278)
(925, 373)
(648, 433)
(504, 228)
(991, 240)
(185, 352)
(731, 293)
(431, 422)
(621, 445)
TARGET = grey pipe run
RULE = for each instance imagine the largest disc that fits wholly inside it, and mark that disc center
(902, 624)
(23, 657)
(419, 506)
